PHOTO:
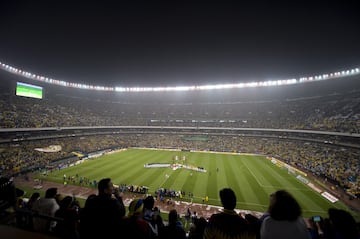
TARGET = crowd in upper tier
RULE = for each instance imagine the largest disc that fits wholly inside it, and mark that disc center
(333, 109)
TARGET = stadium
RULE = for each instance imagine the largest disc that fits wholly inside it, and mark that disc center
(301, 135)
(179, 120)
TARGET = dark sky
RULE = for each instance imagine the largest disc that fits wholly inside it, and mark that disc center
(158, 43)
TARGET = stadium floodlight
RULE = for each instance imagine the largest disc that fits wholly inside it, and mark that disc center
(263, 83)
(272, 83)
(290, 81)
(205, 87)
(119, 89)
(32, 76)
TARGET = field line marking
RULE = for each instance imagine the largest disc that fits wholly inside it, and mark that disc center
(271, 186)
(255, 176)
(166, 178)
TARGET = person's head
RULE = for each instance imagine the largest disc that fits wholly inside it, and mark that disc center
(105, 186)
(89, 200)
(228, 198)
(35, 196)
(173, 216)
(51, 193)
(283, 206)
(200, 224)
(156, 212)
(343, 222)
(136, 208)
(149, 202)
(66, 202)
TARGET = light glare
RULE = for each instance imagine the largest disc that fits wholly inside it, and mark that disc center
(32, 76)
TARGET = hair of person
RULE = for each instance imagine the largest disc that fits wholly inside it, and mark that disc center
(66, 202)
(51, 193)
(284, 206)
(173, 216)
(228, 198)
(149, 202)
(136, 207)
(89, 199)
(34, 196)
(200, 223)
(343, 221)
(103, 184)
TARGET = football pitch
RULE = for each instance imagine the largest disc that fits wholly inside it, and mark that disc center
(253, 178)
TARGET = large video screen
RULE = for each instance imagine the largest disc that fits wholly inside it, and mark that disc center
(27, 90)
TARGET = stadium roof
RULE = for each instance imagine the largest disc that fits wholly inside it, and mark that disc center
(167, 44)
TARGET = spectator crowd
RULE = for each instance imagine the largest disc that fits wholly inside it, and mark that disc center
(321, 108)
(104, 215)
(338, 164)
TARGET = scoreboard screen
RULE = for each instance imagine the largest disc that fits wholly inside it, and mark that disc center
(27, 90)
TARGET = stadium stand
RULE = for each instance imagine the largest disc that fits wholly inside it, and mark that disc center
(312, 126)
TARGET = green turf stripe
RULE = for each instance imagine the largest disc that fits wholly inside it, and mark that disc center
(252, 178)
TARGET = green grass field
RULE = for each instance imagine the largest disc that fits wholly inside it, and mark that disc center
(253, 178)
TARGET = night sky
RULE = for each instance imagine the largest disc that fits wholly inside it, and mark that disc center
(166, 43)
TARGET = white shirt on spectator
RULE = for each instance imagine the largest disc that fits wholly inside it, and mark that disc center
(271, 228)
(46, 207)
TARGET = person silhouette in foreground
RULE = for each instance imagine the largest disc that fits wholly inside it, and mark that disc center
(134, 226)
(284, 220)
(174, 229)
(46, 206)
(339, 225)
(228, 223)
(102, 215)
